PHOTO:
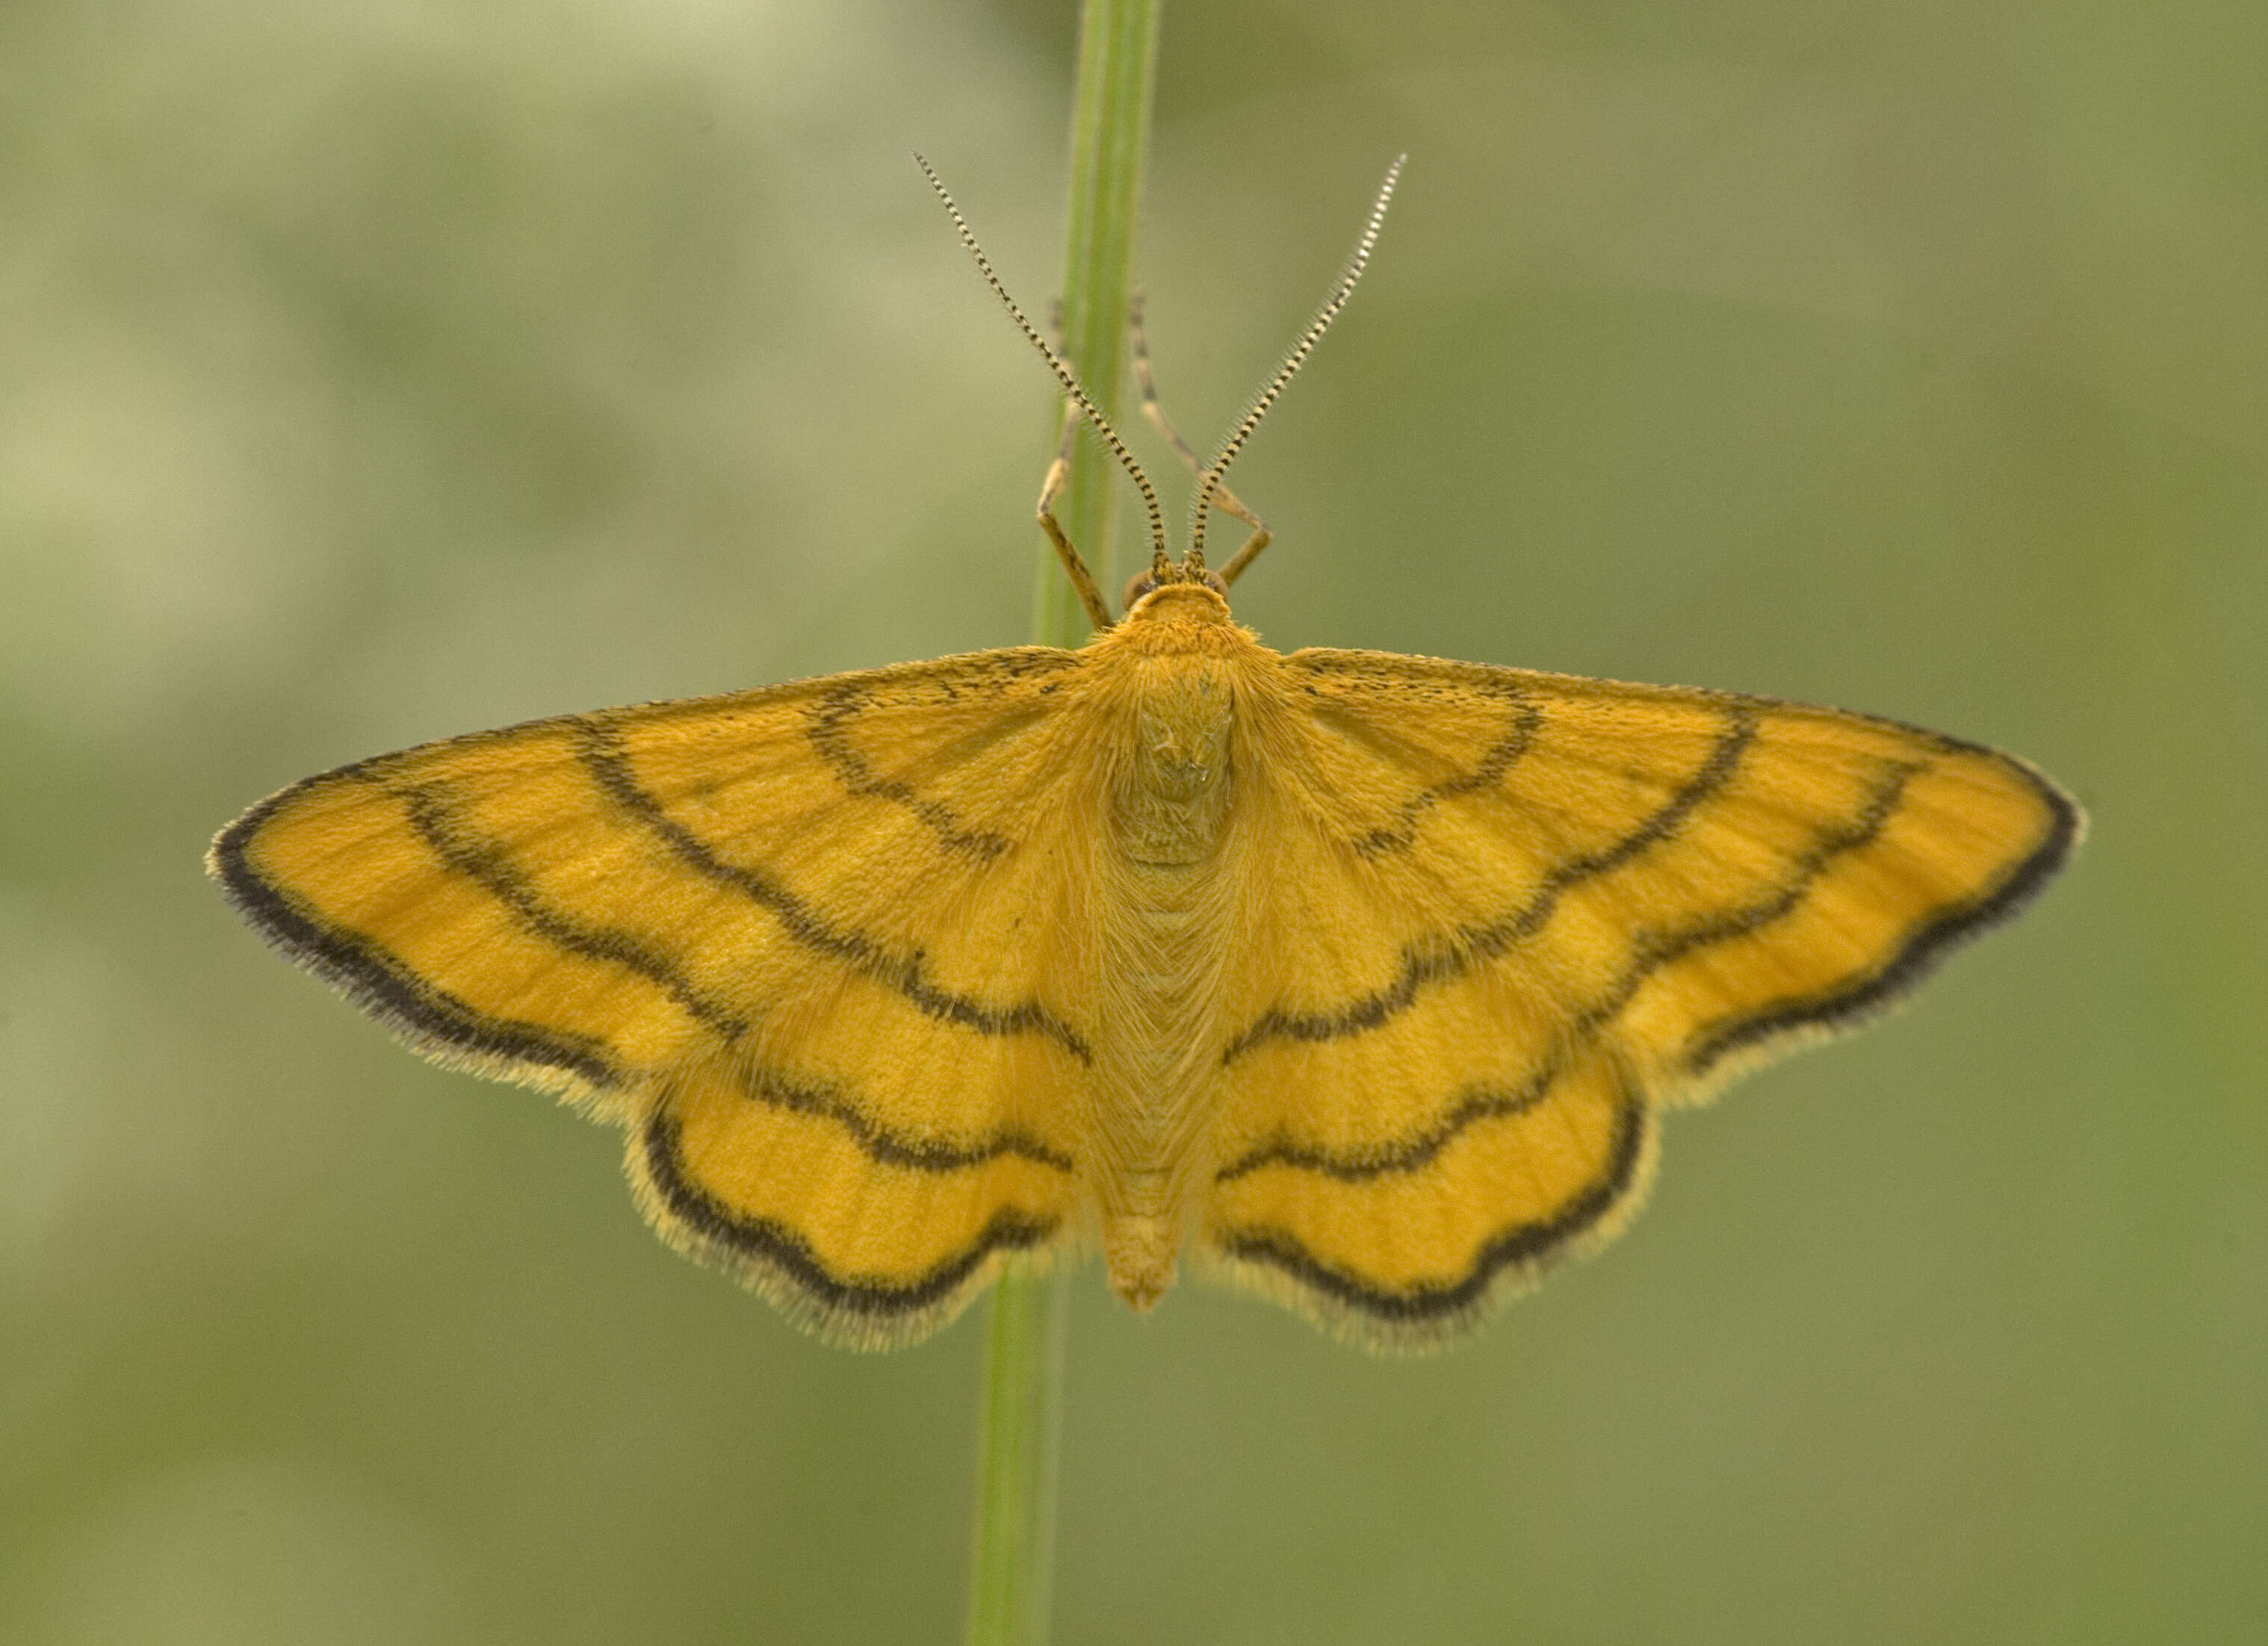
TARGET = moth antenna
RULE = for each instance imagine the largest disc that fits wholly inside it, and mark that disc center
(1209, 479)
(1056, 363)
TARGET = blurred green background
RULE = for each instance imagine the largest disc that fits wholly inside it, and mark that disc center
(376, 371)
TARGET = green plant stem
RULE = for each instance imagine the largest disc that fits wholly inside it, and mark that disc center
(1110, 135)
(1011, 1565)
(1012, 1556)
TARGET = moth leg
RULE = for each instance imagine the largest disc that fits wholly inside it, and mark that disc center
(1224, 498)
(1074, 568)
(1052, 487)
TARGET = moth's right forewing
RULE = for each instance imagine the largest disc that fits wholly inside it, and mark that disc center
(1507, 905)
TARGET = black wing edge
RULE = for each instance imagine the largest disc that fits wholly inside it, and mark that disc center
(1423, 1320)
(431, 1021)
(773, 1261)
(1835, 1011)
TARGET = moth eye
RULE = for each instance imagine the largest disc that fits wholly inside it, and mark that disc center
(1138, 586)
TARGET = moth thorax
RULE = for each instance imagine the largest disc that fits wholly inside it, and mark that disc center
(1172, 799)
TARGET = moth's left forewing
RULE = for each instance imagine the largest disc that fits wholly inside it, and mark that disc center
(808, 943)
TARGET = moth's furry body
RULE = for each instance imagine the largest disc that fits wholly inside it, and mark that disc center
(1171, 683)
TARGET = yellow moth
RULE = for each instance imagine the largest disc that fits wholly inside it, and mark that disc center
(1362, 979)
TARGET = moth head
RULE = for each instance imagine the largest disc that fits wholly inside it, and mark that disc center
(1152, 578)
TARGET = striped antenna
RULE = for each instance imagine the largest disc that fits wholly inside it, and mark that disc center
(1209, 482)
(1065, 375)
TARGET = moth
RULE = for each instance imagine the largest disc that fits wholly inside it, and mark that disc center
(1362, 980)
